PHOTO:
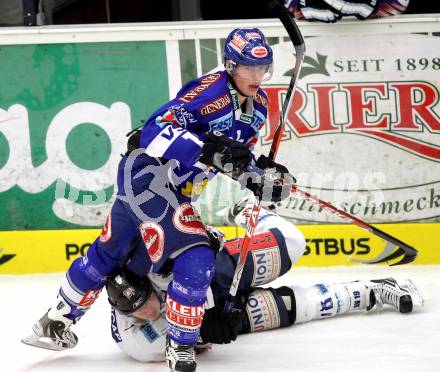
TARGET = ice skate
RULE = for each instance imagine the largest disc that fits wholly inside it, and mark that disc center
(52, 331)
(404, 298)
(180, 358)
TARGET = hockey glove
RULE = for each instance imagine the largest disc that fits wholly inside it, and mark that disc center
(330, 10)
(361, 9)
(386, 8)
(216, 237)
(313, 10)
(220, 328)
(269, 181)
(228, 156)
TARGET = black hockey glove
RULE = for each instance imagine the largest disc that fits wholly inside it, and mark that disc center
(220, 328)
(270, 181)
(216, 237)
(228, 156)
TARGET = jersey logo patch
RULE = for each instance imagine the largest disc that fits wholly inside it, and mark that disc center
(222, 123)
(183, 317)
(257, 120)
(149, 332)
(183, 116)
(153, 236)
(106, 232)
(115, 332)
(216, 105)
(262, 311)
(261, 100)
(258, 241)
(205, 83)
(267, 265)
(89, 298)
(187, 220)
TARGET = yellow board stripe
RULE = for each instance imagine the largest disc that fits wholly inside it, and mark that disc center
(25, 252)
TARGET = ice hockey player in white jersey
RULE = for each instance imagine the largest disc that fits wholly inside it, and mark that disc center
(139, 324)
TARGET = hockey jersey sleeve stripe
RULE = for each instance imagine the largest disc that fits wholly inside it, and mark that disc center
(70, 291)
(175, 143)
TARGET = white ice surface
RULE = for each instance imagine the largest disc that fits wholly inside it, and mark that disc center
(373, 342)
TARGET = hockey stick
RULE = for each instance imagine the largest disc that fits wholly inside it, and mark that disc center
(298, 43)
(389, 253)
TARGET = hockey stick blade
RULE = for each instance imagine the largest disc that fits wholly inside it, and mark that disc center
(389, 253)
(409, 253)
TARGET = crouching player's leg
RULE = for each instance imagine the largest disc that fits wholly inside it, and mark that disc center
(83, 282)
(185, 305)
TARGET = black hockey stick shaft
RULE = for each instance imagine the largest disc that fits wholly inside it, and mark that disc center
(409, 253)
(298, 43)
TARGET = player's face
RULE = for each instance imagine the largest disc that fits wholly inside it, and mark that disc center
(150, 310)
(249, 78)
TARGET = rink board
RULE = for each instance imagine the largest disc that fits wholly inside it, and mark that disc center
(23, 252)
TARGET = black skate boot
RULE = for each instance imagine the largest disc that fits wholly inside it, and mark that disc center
(180, 358)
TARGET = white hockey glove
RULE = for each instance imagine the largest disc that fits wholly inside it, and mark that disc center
(52, 331)
(361, 9)
(313, 10)
(330, 10)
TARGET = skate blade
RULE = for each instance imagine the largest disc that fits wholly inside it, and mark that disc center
(41, 342)
(416, 297)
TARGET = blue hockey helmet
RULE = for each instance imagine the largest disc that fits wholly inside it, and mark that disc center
(248, 47)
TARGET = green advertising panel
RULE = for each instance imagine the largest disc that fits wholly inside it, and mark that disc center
(64, 113)
(363, 132)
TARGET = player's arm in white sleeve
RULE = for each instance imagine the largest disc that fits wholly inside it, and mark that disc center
(170, 137)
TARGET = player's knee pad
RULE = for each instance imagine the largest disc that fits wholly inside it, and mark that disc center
(323, 301)
(192, 273)
(270, 308)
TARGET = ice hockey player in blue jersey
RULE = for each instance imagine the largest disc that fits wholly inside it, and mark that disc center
(211, 126)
